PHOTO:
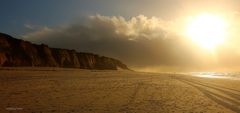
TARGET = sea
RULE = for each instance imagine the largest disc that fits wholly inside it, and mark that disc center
(216, 74)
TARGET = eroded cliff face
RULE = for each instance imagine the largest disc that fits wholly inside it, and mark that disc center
(15, 52)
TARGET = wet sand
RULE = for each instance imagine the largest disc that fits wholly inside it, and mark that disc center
(84, 91)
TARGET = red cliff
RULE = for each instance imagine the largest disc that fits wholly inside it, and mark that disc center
(16, 52)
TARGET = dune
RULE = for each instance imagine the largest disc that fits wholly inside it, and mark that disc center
(60, 90)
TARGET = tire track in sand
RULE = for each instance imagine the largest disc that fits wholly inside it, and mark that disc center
(221, 95)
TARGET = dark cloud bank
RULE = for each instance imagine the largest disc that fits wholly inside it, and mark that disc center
(140, 42)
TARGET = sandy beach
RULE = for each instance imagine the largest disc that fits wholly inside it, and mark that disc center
(84, 91)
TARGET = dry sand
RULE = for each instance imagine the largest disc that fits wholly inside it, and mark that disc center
(83, 91)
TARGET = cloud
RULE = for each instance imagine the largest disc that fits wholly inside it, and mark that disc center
(139, 41)
(133, 29)
(136, 27)
(29, 26)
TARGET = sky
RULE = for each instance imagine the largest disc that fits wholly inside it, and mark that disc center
(145, 34)
(16, 14)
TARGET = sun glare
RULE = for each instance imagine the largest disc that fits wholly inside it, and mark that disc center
(207, 30)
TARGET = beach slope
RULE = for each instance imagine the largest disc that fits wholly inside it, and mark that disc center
(43, 90)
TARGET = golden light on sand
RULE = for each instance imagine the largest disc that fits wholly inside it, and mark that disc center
(207, 30)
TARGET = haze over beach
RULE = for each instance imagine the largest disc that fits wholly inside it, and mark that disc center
(110, 56)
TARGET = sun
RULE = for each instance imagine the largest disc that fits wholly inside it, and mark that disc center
(207, 30)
